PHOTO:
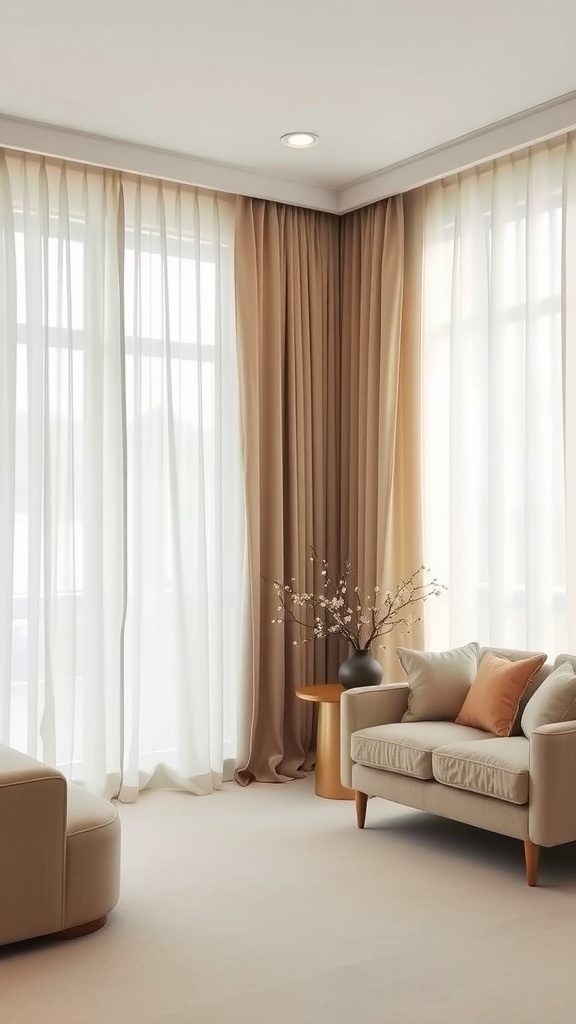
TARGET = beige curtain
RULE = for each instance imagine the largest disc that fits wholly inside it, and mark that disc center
(402, 545)
(327, 323)
(287, 323)
(380, 465)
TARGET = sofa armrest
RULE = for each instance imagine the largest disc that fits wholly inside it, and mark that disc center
(32, 850)
(552, 800)
(365, 706)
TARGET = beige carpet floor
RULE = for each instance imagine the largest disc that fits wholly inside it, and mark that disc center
(267, 906)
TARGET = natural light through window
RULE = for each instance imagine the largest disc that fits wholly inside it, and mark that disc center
(493, 401)
(127, 533)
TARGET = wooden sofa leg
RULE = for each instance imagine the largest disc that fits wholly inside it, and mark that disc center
(532, 858)
(361, 800)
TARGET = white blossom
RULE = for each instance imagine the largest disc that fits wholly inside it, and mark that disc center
(332, 615)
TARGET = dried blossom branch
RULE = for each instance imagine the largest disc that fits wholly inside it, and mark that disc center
(332, 612)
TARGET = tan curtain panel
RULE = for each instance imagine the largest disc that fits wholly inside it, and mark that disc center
(380, 465)
(402, 546)
(288, 336)
(327, 324)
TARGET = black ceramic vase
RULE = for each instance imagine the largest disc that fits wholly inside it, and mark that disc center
(360, 669)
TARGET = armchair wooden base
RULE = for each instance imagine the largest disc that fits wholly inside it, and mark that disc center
(81, 929)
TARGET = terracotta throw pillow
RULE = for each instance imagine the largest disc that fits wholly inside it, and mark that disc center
(493, 699)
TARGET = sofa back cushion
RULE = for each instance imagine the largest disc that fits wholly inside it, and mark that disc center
(554, 700)
(494, 696)
(439, 681)
(563, 658)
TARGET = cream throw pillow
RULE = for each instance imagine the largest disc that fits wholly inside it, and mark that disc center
(493, 699)
(439, 681)
(554, 700)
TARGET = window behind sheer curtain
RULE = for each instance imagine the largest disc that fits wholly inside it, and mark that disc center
(185, 517)
(498, 241)
(122, 521)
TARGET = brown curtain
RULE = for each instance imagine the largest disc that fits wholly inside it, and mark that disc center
(327, 328)
(288, 335)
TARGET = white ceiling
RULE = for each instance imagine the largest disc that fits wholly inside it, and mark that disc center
(381, 81)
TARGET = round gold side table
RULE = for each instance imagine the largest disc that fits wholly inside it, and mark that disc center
(327, 778)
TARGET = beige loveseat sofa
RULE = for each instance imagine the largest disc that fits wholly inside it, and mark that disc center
(59, 852)
(520, 786)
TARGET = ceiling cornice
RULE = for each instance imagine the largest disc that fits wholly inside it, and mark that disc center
(83, 147)
(514, 133)
(534, 125)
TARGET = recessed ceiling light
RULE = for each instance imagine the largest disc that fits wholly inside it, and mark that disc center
(300, 140)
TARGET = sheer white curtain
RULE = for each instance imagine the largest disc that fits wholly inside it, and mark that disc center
(185, 505)
(61, 528)
(121, 509)
(498, 375)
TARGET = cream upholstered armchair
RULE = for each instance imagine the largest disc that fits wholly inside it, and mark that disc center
(59, 852)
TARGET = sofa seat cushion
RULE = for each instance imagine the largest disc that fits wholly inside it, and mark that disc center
(406, 747)
(497, 767)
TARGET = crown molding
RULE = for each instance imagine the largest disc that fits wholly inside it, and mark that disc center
(83, 147)
(513, 133)
(534, 125)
